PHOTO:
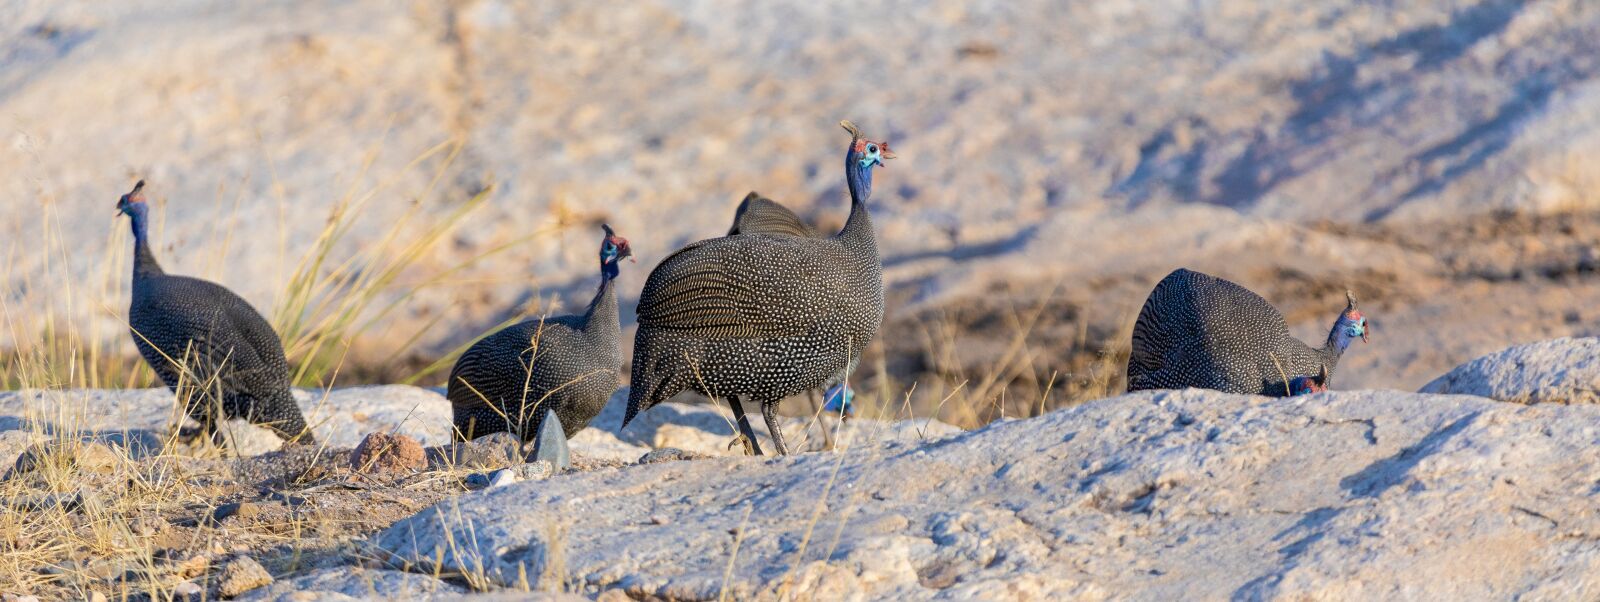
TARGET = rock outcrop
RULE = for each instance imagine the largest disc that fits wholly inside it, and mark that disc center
(1158, 495)
(1563, 370)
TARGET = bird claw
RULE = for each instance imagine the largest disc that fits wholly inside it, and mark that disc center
(740, 439)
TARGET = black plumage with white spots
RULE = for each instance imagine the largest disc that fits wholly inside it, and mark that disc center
(568, 364)
(207, 344)
(1200, 331)
(760, 317)
(757, 214)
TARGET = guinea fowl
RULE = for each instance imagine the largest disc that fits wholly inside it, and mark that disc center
(567, 366)
(758, 214)
(207, 344)
(763, 316)
(1201, 331)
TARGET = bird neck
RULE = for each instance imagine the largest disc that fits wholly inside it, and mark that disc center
(602, 311)
(144, 262)
(859, 178)
(1338, 341)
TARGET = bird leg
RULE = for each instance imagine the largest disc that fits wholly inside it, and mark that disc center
(187, 434)
(746, 432)
(215, 431)
(191, 435)
(822, 422)
(769, 409)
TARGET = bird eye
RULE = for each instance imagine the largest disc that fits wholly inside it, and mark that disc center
(872, 148)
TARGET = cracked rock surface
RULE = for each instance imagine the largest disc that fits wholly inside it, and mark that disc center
(1155, 495)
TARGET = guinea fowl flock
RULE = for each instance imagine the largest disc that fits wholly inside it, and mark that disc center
(771, 310)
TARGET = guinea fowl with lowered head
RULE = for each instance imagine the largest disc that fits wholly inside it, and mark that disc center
(1200, 331)
(566, 366)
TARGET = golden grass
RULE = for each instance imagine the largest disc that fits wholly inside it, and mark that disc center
(66, 548)
(1022, 380)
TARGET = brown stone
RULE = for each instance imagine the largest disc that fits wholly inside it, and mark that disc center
(88, 456)
(236, 510)
(242, 574)
(386, 453)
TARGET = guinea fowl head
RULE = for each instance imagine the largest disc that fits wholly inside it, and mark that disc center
(132, 204)
(840, 399)
(1306, 385)
(1351, 323)
(859, 160)
(613, 249)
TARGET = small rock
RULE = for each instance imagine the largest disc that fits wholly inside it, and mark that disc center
(355, 583)
(96, 457)
(188, 592)
(668, 454)
(496, 450)
(18, 598)
(239, 510)
(502, 477)
(534, 471)
(386, 453)
(146, 525)
(551, 443)
(288, 499)
(66, 502)
(97, 597)
(243, 574)
(194, 565)
(88, 456)
(105, 569)
(477, 480)
(658, 519)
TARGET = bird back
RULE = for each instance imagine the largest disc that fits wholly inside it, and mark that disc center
(1195, 328)
(755, 286)
(760, 215)
(178, 315)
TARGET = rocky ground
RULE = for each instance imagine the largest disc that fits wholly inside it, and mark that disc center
(1480, 487)
(1435, 157)
(1056, 160)
(106, 501)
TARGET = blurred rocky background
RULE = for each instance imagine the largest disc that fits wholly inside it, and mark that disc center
(1056, 159)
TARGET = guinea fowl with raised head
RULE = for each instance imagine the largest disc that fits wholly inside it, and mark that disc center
(207, 344)
(1201, 331)
(758, 214)
(567, 366)
(763, 316)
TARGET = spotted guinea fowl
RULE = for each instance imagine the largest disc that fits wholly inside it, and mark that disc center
(207, 344)
(758, 214)
(763, 316)
(569, 365)
(1201, 331)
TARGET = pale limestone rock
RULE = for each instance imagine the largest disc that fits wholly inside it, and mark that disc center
(1156, 495)
(1556, 371)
